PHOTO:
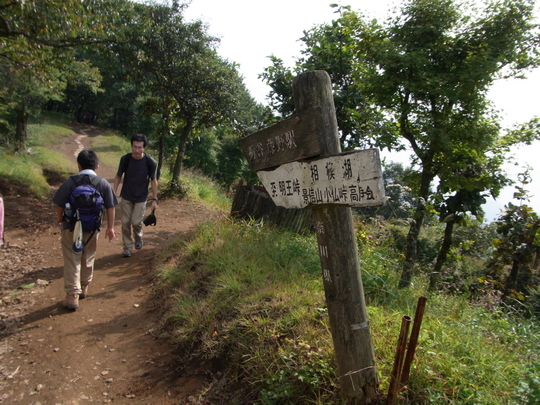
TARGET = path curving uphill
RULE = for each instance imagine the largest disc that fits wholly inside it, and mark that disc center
(105, 352)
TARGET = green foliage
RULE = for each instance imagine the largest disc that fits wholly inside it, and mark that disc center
(142, 68)
(514, 259)
(251, 297)
(378, 258)
(524, 134)
(216, 153)
(466, 353)
(232, 163)
(41, 166)
(529, 390)
(302, 369)
(179, 66)
(195, 186)
(201, 152)
(37, 61)
(280, 79)
(246, 293)
(70, 23)
(420, 80)
(474, 239)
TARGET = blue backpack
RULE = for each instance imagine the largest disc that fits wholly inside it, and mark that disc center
(86, 203)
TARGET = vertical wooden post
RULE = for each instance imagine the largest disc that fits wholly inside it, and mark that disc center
(339, 259)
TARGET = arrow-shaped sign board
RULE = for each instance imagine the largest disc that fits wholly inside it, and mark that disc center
(351, 179)
(291, 139)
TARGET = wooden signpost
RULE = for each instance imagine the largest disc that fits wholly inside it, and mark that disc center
(329, 184)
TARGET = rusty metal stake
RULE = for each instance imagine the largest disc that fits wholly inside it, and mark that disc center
(413, 341)
(398, 362)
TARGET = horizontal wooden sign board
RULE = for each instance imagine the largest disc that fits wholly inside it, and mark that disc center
(294, 138)
(351, 179)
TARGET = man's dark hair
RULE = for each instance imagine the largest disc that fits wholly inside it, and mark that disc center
(88, 159)
(139, 138)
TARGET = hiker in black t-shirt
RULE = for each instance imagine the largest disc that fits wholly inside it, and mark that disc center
(138, 170)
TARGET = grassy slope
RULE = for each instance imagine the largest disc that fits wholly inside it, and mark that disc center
(253, 295)
(250, 298)
(40, 160)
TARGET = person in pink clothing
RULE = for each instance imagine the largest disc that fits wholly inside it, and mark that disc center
(1, 222)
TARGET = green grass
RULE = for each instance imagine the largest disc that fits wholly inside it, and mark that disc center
(110, 146)
(251, 297)
(24, 170)
(48, 130)
(202, 189)
(39, 164)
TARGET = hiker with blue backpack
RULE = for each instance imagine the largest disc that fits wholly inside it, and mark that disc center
(80, 202)
(139, 171)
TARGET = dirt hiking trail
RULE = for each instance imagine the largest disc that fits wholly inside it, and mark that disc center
(108, 350)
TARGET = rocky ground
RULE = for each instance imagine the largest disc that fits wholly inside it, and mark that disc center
(108, 351)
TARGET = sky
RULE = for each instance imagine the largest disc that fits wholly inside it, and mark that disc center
(252, 30)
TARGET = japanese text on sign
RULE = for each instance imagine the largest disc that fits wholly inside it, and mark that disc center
(351, 179)
(289, 140)
(273, 145)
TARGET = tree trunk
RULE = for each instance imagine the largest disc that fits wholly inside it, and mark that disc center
(114, 118)
(79, 111)
(162, 133)
(536, 259)
(521, 273)
(435, 277)
(186, 131)
(21, 134)
(511, 281)
(411, 250)
(161, 154)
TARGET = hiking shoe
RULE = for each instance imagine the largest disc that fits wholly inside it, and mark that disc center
(84, 292)
(139, 244)
(126, 252)
(71, 301)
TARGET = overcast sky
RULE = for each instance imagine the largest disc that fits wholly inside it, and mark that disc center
(252, 30)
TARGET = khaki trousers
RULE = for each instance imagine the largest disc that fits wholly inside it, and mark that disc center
(78, 267)
(132, 215)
